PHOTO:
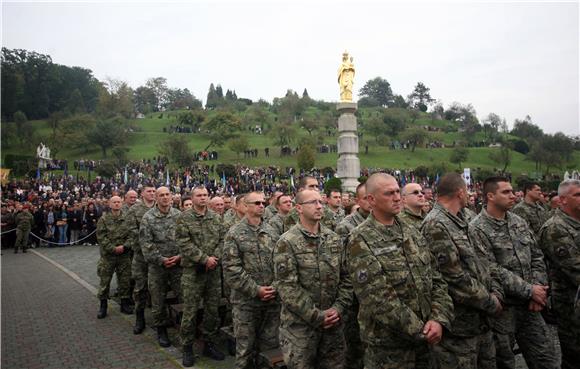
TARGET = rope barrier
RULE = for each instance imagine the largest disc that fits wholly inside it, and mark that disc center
(64, 244)
(12, 230)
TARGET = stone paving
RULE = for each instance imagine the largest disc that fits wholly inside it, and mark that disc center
(82, 261)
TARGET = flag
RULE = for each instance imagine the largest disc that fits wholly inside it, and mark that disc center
(224, 179)
(292, 181)
(37, 173)
(126, 175)
(437, 179)
(167, 178)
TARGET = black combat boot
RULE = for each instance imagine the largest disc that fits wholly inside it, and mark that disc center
(126, 307)
(162, 337)
(212, 352)
(188, 358)
(139, 321)
(102, 310)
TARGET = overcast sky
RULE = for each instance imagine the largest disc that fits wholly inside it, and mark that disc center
(513, 59)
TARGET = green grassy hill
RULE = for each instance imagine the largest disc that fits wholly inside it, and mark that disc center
(148, 134)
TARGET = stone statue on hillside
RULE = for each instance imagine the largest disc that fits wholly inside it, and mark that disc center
(346, 77)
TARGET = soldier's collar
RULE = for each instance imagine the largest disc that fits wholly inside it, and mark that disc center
(567, 218)
(307, 233)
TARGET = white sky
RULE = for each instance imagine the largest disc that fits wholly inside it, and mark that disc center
(510, 58)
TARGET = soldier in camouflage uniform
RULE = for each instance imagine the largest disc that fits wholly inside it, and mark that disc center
(158, 242)
(130, 200)
(314, 288)
(560, 242)
(139, 266)
(354, 347)
(24, 222)
(413, 202)
(217, 205)
(476, 296)
(404, 303)
(518, 264)
(249, 271)
(275, 225)
(306, 183)
(200, 238)
(530, 208)
(272, 208)
(112, 235)
(236, 213)
(333, 213)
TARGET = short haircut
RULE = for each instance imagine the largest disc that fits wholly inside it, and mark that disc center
(186, 197)
(361, 185)
(240, 197)
(371, 184)
(200, 187)
(565, 185)
(529, 185)
(277, 202)
(303, 180)
(449, 184)
(331, 190)
(490, 185)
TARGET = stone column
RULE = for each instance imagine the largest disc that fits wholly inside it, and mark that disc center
(348, 164)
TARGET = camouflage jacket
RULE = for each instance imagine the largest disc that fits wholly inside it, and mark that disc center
(534, 214)
(310, 276)
(349, 223)
(330, 219)
(24, 220)
(276, 226)
(292, 218)
(269, 212)
(157, 235)
(411, 218)
(199, 237)
(469, 282)
(517, 262)
(397, 283)
(112, 232)
(133, 221)
(230, 219)
(560, 242)
(247, 262)
(468, 215)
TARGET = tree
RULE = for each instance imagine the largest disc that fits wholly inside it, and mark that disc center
(107, 134)
(378, 89)
(181, 99)
(257, 115)
(311, 120)
(306, 157)
(193, 118)
(502, 156)
(459, 155)
(145, 101)
(74, 130)
(415, 136)
(526, 129)
(395, 121)
(491, 125)
(239, 145)
(420, 98)
(159, 87)
(115, 98)
(283, 134)
(177, 150)
(220, 128)
(24, 129)
(76, 104)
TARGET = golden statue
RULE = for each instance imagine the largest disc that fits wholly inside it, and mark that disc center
(346, 77)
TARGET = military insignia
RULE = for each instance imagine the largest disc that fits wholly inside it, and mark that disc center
(362, 276)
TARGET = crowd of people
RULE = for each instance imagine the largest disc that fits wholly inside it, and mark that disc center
(401, 273)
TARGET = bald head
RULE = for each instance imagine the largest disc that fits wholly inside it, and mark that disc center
(115, 203)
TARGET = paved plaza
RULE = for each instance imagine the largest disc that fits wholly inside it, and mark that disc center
(49, 317)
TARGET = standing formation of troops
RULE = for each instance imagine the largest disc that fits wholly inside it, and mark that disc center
(402, 280)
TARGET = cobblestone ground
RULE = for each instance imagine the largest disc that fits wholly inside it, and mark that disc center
(82, 260)
(48, 321)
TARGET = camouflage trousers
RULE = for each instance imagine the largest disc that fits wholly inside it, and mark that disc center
(465, 352)
(109, 265)
(159, 278)
(531, 333)
(21, 239)
(139, 271)
(256, 330)
(382, 357)
(305, 347)
(197, 288)
(354, 347)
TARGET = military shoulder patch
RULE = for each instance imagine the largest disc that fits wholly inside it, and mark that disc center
(362, 276)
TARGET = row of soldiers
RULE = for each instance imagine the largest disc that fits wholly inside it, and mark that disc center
(447, 289)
